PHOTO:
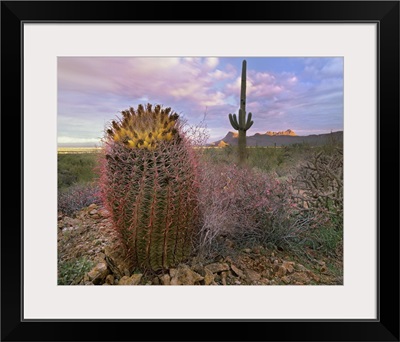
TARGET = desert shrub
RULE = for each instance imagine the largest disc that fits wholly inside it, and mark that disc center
(247, 206)
(317, 191)
(76, 168)
(76, 197)
(71, 271)
(318, 186)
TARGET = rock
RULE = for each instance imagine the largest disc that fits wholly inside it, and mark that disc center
(289, 266)
(165, 279)
(113, 262)
(184, 275)
(100, 257)
(281, 271)
(156, 281)
(89, 283)
(110, 279)
(104, 213)
(323, 269)
(172, 272)
(321, 263)
(217, 267)
(252, 275)
(286, 279)
(92, 206)
(266, 274)
(237, 271)
(93, 212)
(313, 276)
(247, 250)
(223, 277)
(208, 277)
(133, 280)
(98, 273)
(300, 267)
(265, 281)
(300, 278)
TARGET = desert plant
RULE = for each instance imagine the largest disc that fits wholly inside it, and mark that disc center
(248, 206)
(318, 186)
(71, 271)
(242, 125)
(149, 184)
(77, 196)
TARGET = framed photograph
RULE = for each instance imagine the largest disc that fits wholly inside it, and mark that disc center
(242, 146)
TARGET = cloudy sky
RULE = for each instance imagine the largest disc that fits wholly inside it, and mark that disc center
(302, 94)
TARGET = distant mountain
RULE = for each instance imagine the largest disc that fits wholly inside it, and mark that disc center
(282, 138)
(287, 132)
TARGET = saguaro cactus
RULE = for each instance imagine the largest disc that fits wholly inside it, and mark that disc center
(242, 125)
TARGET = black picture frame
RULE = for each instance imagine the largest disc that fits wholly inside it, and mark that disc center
(15, 13)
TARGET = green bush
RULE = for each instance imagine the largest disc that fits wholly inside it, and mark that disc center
(76, 168)
(71, 271)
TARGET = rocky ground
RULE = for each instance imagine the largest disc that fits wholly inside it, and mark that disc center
(89, 235)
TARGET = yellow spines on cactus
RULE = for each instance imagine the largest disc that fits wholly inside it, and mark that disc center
(145, 127)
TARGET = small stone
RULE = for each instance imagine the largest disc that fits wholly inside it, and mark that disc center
(301, 278)
(110, 279)
(92, 206)
(218, 267)
(313, 276)
(165, 279)
(247, 250)
(323, 269)
(208, 277)
(184, 275)
(321, 263)
(133, 280)
(281, 271)
(266, 274)
(253, 276)
(104, 213)
(265, 281)
(300, 267)
(93, 212)
(286, 279)
(172, 272)
(272, 254)
(98, 273)
(156, 281)
(289, 266)
(89, 283)
(237, 271)
(100, 257)
(223, 277)
(237, 282)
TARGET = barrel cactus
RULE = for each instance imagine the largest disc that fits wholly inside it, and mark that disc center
(149, 184)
